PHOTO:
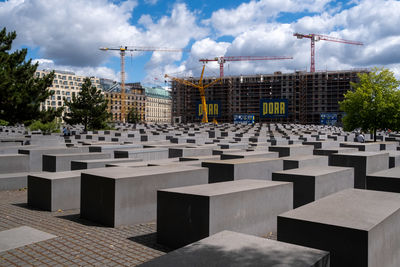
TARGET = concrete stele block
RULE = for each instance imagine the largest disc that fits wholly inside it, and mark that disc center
(386, 180)
(358, 227)
(246, 206)
(292, 150)
(363, 164)
(312, 183)
(120, 196)
(302, 161)
(245, 168)
(62, 162)
(54, 190)
(13, 163)
(233, 249)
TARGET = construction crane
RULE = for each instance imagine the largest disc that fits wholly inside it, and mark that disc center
(122, 50)
(201, 88)
(221, 60)
(318, 37)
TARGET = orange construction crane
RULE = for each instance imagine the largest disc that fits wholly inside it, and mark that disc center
(122, 50)
(201, 88)
(318, 37)
(221, 60)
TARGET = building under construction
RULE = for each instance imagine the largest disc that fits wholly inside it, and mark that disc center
(308, 95)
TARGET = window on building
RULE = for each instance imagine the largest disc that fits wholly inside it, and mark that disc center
(59, 103)
(53, 103)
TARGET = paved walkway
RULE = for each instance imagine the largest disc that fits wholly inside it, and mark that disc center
(78, 242)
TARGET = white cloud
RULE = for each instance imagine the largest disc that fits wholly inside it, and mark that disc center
(251, 14)
(69, 32)
(101, 72)
(151, 2)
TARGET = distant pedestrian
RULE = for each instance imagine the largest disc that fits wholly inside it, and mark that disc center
(64, 131)
(361, 138)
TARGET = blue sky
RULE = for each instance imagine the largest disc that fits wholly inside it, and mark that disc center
(66, 35)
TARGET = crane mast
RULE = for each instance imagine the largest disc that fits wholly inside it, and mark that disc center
(123, 50)
(318, 37)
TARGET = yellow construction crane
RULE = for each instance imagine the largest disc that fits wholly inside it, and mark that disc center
(122, 50)
(201, 88)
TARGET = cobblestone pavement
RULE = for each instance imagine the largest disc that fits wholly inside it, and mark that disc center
(78, 243)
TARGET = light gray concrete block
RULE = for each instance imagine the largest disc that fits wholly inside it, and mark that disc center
(13, 181)
(36, 154)
(245, 168)
(144, 154)
(333, 150)
(232, 249)
(11, 163)
(189, 152)
(357, 227)
(249, 154)
(246, 206)
(302, 161)
(54, 190)
(62, 162)
(111, 147)
(98, 163)
(367, 147)
(312, 183)
(292, 150)
(120, 196)
(363, 164)
(21, 236)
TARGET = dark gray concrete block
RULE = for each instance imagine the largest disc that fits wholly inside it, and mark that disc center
(357, 227)
(188, 214)
(363, 164)
(386, 180)
(53, 191)
(245, 168)
(120, 196)
(312, 183)
(232, 249)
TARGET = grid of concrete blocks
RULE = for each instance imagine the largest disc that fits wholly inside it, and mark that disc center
(200, 195)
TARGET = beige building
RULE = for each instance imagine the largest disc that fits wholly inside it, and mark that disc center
(158, 105)
(65, 85)
(135, 98)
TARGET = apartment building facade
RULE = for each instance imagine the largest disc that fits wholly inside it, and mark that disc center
(65, 85)
(158, 105)
(308, 95)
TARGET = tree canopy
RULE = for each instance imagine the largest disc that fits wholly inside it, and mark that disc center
(374, 103)
(89, 108)
(21, 93)
(133, 115)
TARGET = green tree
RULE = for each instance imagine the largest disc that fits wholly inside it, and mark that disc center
(374, 103)
(20, 91)
(88, 108)
(133, 116)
